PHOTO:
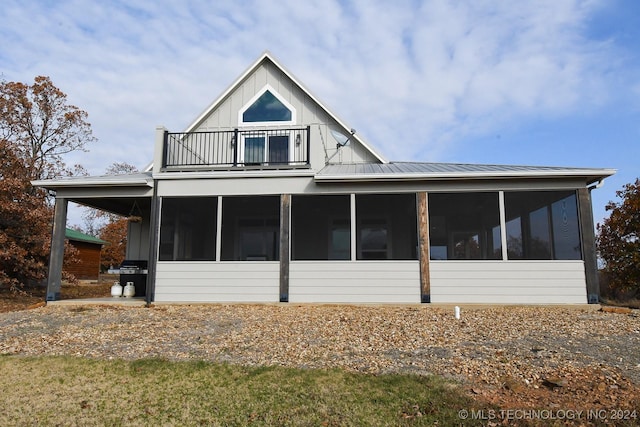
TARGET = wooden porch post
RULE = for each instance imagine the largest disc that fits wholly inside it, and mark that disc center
(56, 256)
(285, 214)
(423, 245)
(588, 245)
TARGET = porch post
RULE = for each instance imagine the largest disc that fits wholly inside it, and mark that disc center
(588, 245)
(285, 215)
(56, 256)
(423, 245)
(154, 238)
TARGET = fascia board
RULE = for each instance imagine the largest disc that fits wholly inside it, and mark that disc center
(92, 183)
(589, 173)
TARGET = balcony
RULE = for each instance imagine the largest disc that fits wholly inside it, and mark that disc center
(274, 148)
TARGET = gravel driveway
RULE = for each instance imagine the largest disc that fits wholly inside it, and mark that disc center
(485, 345)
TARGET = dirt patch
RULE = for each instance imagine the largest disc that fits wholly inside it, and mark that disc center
(35, 296)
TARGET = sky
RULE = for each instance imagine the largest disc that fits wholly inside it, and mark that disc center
(540, 82)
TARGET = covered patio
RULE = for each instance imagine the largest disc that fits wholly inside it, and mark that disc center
(127, 195)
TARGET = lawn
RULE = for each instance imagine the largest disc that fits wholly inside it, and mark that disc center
(77, 391)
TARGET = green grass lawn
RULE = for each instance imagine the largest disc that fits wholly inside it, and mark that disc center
(76, 391)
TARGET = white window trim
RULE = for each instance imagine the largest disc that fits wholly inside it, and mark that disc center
(245, 107)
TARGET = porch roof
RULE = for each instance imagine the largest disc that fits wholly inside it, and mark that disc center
(406, 171)
(124, 180)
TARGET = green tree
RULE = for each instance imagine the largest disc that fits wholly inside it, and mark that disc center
(619, 240)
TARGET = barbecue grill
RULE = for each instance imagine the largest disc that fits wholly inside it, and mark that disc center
(134, 271)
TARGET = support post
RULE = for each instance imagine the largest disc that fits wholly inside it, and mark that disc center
(588, 245)
(423, 246)
(285, 215)
(56, 257)
(154, 238)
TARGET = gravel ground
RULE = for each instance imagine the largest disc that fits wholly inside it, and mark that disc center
(525, 344)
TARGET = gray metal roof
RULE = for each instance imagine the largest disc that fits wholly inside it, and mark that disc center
(130, 180)
(446, 171)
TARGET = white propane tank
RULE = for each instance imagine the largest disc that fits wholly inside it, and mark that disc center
(456, 312)
(129, 290)
(116, 290)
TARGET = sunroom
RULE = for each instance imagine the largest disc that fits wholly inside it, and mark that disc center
(365, 247)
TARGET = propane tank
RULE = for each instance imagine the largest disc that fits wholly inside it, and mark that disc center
(129, 290)
(116, 290)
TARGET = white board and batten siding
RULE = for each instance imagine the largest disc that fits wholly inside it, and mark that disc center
(354, 282)
(244, 281)
(512, 282)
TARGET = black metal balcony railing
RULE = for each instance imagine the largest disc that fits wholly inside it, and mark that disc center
(255, 148)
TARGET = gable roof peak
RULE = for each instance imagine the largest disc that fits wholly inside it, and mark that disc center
(268, 56)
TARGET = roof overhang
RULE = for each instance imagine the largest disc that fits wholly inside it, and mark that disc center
(126, 180)
(119, 194)
(455, 172)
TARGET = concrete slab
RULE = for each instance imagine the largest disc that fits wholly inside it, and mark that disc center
(121, 301)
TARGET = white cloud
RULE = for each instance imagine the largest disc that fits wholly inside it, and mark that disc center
(412, 76)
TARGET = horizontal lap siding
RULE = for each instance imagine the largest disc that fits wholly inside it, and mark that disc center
(512, 282)
(217, 282)
(354, 282)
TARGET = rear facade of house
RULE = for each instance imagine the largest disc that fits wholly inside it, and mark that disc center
(269, 197)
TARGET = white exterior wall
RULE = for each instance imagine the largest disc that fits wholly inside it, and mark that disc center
(508, 282)
(244, 281)
(354, 282)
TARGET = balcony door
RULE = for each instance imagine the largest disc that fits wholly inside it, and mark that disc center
(263, 148)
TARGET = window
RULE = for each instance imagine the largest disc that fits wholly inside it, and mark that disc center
(464, 226)
(258, 239)
(266, 147)
(374, 239)
(542, 225)
(340, 244)
(386, 226)
(267, 108)
(188, 229)
(320, 227)
(251, 228)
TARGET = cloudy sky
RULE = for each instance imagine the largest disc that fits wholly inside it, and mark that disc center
(540, 82)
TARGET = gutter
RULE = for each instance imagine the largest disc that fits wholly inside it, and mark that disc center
(458, 176)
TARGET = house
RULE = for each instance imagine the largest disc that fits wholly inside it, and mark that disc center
(89, 247)
(268, 196)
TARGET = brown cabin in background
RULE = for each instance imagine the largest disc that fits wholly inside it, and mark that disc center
(89, 248)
